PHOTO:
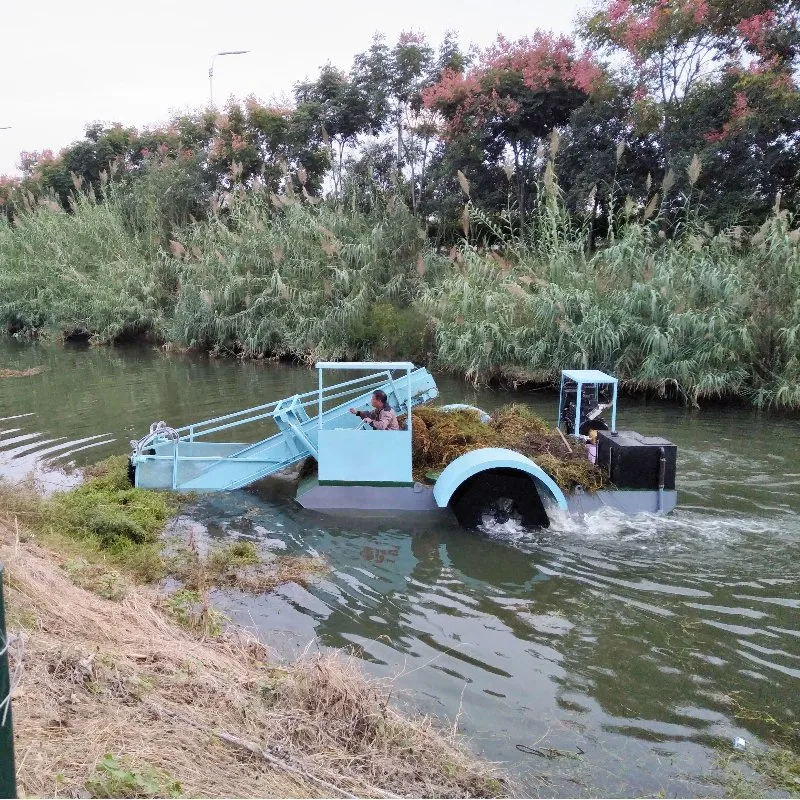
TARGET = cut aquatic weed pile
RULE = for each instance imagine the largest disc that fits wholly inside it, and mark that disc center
(114, 696)
(239, 565)
(102, 523)
(124, 522)
(107, 507)
(440, 437)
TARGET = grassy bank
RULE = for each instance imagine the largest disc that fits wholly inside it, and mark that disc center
(702, 314)
(126, 693)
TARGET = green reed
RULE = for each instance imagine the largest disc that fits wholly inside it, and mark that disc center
(695, 314)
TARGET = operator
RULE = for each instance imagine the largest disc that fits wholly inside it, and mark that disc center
(382, 417)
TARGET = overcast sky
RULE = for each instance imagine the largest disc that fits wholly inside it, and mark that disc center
(66, 64)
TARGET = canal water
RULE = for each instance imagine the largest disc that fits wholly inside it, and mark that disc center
(604, 656)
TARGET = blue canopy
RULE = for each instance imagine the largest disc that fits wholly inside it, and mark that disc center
(582, 377)
(588, 376)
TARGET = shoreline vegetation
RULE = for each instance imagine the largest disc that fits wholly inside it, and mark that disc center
(624, 197)
(698, 316)
(701, 316)
(127, 692)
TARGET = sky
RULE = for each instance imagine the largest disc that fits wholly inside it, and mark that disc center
(67, 64)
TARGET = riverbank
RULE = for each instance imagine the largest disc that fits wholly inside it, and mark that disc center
(648, 644)
(118, 696)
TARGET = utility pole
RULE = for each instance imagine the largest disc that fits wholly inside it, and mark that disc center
(211, 71)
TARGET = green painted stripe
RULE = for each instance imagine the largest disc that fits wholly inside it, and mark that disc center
(404, 484)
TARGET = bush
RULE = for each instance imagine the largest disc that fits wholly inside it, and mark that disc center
(702, 314)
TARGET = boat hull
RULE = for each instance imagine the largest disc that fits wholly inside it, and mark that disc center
(311, 494)
(319, 497)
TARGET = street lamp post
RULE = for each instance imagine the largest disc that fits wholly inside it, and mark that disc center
(211, 70)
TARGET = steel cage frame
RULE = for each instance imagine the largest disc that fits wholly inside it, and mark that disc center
(595, 379)
(388, 366)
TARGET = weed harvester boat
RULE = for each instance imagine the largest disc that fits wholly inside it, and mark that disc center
(363, 469)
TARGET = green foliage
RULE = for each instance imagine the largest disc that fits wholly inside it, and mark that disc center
(115, 778)
(692, 77)
(698, 314)
(391, 332)
(294, 281)
(107, 508)
(701, 315)
(144, 562)
(192, 610)
(98, 578)
(85, 273)
(341, 108)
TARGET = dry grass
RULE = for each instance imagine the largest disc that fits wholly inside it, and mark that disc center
(439, 437)
(21, 373)
(218, 716)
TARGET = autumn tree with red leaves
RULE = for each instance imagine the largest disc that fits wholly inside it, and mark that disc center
(716, 78)
(516, 93)
(666, 80)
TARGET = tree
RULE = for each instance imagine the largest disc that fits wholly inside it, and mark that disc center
(480, 157)
(516, 93)
(394, 80)
(80, 165)
(605, 157)
(745, 129)
(339, 109)
(268, 142)
(370, 176)
(704, 69)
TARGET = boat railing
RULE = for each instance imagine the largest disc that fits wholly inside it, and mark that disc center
(319, 397)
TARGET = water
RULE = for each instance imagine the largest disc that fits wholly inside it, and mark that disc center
(606, 655)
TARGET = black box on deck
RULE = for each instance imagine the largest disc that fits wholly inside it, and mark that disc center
(632, 460)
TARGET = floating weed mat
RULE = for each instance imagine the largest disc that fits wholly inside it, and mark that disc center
(21, 373)
(440, 437)
(240, 566)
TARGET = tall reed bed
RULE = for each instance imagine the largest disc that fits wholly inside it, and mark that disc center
(301, 281)
(86, 273)
(698, 314)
